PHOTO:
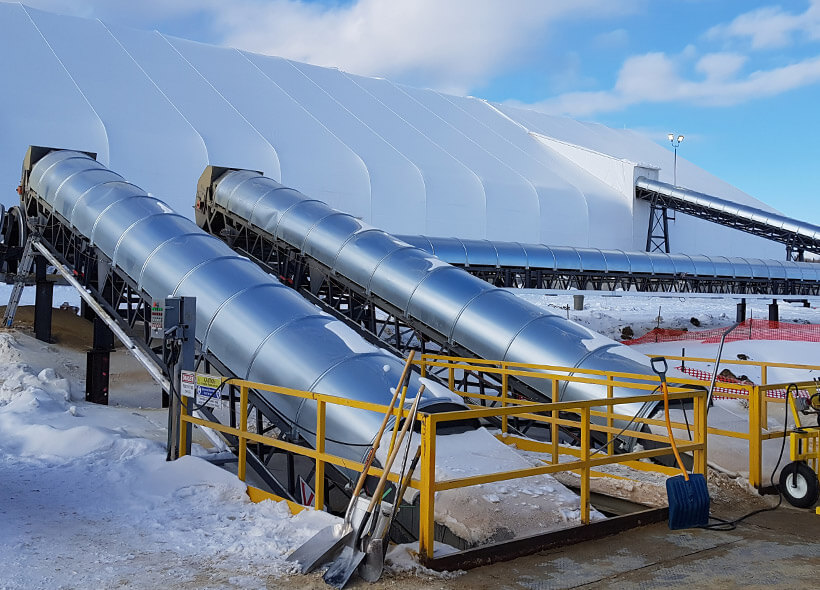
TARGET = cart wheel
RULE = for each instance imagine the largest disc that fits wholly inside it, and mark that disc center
(798, 483)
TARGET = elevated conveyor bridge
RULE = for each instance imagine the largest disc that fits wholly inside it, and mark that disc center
(797, 236)
(536, 266)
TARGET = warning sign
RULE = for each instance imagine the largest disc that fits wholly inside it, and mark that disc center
(203, 388)
(306, 492)
(207, 390)
(188, 383)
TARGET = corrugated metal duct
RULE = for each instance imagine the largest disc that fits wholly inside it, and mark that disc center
(489, 253)
(489, 322)
(257, 327)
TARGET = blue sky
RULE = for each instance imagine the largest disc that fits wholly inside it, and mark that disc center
(739, 78)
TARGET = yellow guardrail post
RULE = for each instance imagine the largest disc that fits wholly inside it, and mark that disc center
(243, 427)
(505, 382)
(701, 415)
(554, 426)
(755, 441)
(428, 486)
(451, 377)
(319, 480)
(609, 422)
(764, 374)
(585, 439)
(183, 427)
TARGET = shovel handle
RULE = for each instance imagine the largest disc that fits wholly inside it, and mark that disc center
(665, 390)
(383, 479)
(401, 405)
(660, 366)
(407, 477)
(371, 454)
(369, 521)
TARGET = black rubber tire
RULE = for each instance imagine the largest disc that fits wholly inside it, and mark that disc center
(799, 485)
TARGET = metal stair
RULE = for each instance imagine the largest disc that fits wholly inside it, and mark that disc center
(23, 274)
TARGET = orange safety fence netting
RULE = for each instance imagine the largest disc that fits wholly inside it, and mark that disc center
(748, 330)
(701, 375)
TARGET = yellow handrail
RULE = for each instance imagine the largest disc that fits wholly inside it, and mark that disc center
(597, 415)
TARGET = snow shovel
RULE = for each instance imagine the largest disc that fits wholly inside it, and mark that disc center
(322, 546)
(339, 572)
(373, 565)
(688, 494)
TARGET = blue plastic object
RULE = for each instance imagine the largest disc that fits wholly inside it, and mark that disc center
(688, 501)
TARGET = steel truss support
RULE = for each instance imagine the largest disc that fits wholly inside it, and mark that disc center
(657, 234)
(795, 253)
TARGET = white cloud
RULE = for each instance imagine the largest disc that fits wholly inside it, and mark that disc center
(656, 78)
(453, 45)
(771, 26)
(720, 66)
(612, 39)
(457, 44)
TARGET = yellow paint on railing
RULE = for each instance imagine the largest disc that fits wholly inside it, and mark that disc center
(555, 414)
(256, 495)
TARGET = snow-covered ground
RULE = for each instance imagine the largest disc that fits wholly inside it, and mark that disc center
(87, 499)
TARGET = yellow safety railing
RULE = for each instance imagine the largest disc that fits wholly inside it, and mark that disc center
(553, 414)
(244, 436)
(758, 396)
(764, 366)
(598, 415)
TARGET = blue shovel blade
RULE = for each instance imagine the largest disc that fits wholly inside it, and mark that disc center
(688, 501)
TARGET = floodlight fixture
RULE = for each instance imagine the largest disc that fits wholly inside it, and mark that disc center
(675, 141)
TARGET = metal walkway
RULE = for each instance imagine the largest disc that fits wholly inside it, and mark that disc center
(797, 236)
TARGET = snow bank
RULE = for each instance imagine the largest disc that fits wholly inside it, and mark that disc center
(88, 504)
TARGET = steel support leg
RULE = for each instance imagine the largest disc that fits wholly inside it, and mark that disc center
(43, 301)
(774, 311)
(98, 362)
(180, 327)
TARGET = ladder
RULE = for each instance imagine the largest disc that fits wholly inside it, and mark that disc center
(23, 273)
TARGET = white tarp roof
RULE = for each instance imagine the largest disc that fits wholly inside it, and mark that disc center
(158, 109)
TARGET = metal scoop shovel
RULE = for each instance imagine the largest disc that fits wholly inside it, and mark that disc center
(324, 545)
(339, 572)
(373, 565)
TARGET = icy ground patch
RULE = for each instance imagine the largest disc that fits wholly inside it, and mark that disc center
(86, 504)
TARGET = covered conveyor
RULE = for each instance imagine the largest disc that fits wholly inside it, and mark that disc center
(536, 266)
(797, 236)
(129, 249)
(370, 275)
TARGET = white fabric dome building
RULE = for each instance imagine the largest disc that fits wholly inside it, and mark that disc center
(158, 109)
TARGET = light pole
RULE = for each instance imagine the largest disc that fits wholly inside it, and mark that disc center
(675, 141)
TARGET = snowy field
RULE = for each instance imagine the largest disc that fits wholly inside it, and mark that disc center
(87, 499)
